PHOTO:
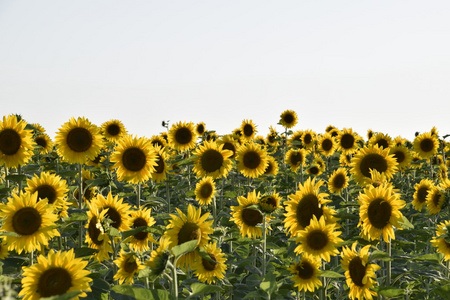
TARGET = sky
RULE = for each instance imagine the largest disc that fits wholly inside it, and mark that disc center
(380, 65)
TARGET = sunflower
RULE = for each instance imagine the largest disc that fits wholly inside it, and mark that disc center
(338, 181)
(135, 159)
(306, 272)
(307, 202)
(443, 172)
(188, 227)
(129, 266)
(308, 138)
(326, 144)
(211, 136)
(399, 141)
(37, 128)
(200, 128)
(347, 141)
(426, 145)
(251, 160)
(272, 166)
(319, 239)
(161, 167)
(383, 140)
(229, 143)
(270, 203)
(370, 133)
(211, 160)
(359, 273)
(139, 241)
(89, 193)
(296, 141)
(421, 191)
(402, 155)
(51, 187)
(313, 170)
(78, 140)
(113, 130)
(158, 140)
(435, 200)
(369, 158)
(248, 130)
(95, 235)
(117, 211)
(379, 211)
(33, 221)
(182, 136)
(44, 142)
(295, 158)
(205, 190)
(57, 274)
(210, 270)
(272, 137)
(288, 118)
(441, 238)
(16, 143)
(159, 257)
(248, 217)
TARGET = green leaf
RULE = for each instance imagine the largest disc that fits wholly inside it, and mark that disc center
(204, 254)
(66, 296)
(202, 289)
(113, 231)
(16, 177)
(433, 257)
(133, 231)
(97, 182)
(9, 233)
(75, 217)
(390, 292)
(331, 274)
(381, 255)
(405, 224)
(142, 293)
(269, 284)
(184, 248)
(84, 251)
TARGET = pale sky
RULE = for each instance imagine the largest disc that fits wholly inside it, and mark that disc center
(380, 65)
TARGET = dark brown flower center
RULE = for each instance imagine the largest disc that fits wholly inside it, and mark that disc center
(379, 213)
(314, 170)
(114, 215)
(269, 168)
(189, 231)
(270, 200)
(46, 191)
(251, 159)
(295, 158)
(231, 147)
(435, 199)
(200, 129)
(10, 141)
(327, 145)
(209, 265)
(54, 281)
(357, 271)
(317, 239)
(130, 266)
(94, 232)
(206, 190)
(422, 193)
(288, 118)
(156, 143)
(305, 270)
(426, 145)
(307, 208)
(211, 160)
(373, 161)
(138, 222)
(252, 217)
(113, 129)
(159, 165)
(382, 143)
(347, 141)
(41, 141)
(248, 130)
(338, 181)
(134, 159)
(79, 139)
(399, 156)
(183, 136)
(26, 221)
(307, 138)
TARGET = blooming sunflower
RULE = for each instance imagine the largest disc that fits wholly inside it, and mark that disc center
(248, 130)
(347, 141)
(422, 189)
(89, 193)
(139, 241)
(159, 257)
(229, 143)
(435, 200)
(441, 238)
(296, 141)
(295, 158)
(270, 203)
(319, 239)
(113, 130)
(272, 137)
(251, 160)
(200, 128)
(188, 227)
(45, 143)
(78, 140)
(307, 202)
(383, 140)
(272, 166)
(359, 273)
(426, 145)
(51, 187)
(212, 160)
(369, 158)
(129, 266)
(158, 140)
(306, 272)
(288, 118)
(338, 181)
(247, 217)
(205, 190)
(135, 159)
(57, 274)
(33, 221)
(379, 211)
(210, 270)
(308, 139)
(161, 167)
(402, 155)
(326, 144)
(117, 211)
(16, 143)
(345, 160)
(95, 235)
(182, 136)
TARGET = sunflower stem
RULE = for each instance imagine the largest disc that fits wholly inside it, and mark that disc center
(138, 195)
(175, 279)
(214, 208)
(389, 263)
(168, 196)
(264, 247)
(80, 204)
(31, 257)
(19, 172)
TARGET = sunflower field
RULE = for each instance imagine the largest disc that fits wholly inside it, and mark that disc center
(100, 213)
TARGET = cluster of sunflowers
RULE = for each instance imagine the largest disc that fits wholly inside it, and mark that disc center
(98, 212)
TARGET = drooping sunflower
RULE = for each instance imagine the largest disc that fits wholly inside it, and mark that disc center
(51, 187)
(372, 157)
(96, 237)
(134, 158)
(33, 221)
(426, 145)
(383, 140)
(272, 137)
(319, 239)
(113, 130)
(399, 141)
(159, 257)
(306, 272)
(435, 200)
(210, 270)
(379, 212)
(295, 158)
(117, 210)
(288, 118)
(45, 143)
(248, 130)
(57, 274)
(212, 160)
(200, 128)
(211, 136)
(347, 141)
(139, 242)
(370, 134)
(338, 181)
(205, 190)
(402, 155)
(308, 139)
(422, 189)
(78, 140)
(441, 238)
(269, 203)
(272, 166)
(360, 275)
(251, 160)
(16, 143)
(188, 227)
(229, 143)
(182, 136)
(326, 144)
(162, 167)
(247, 217)
(128, 265)
(307, 202)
